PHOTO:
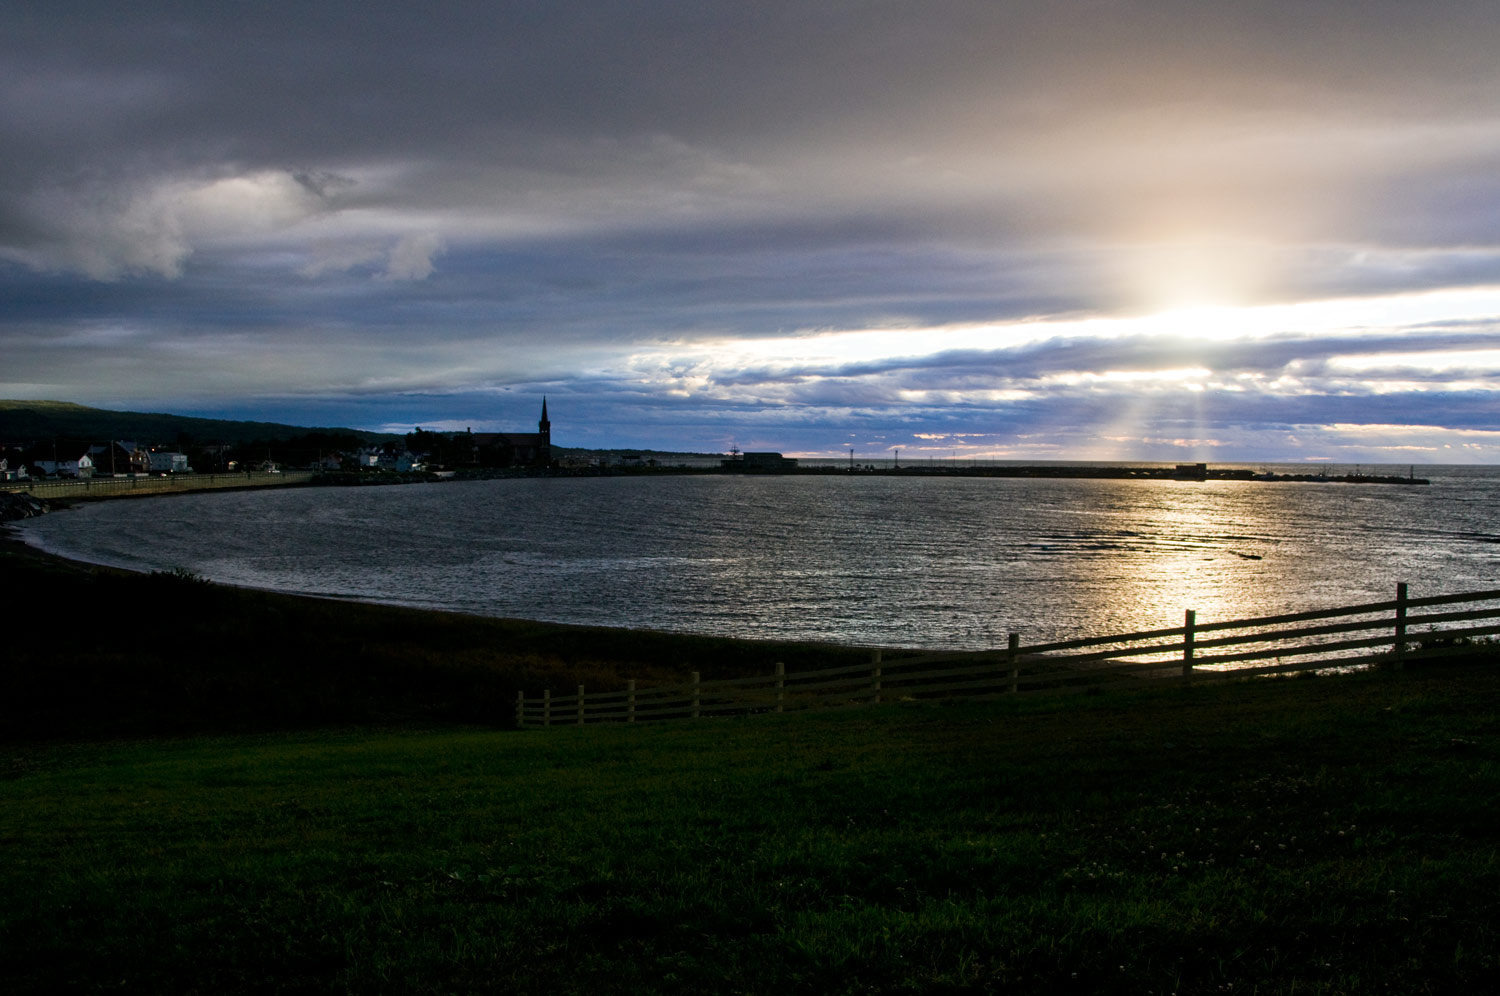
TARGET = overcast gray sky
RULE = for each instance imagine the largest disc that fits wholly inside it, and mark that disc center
(1073, 229)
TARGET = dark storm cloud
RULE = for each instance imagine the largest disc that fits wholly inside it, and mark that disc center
(338, 203)
(1049, 357)
(501, 96)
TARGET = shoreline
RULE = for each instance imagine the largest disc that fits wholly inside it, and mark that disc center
(620, 605)
(12, 542)
(105, 652)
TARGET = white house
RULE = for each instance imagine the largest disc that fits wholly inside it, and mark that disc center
(166, 462)
(403, 461)
(80, 466)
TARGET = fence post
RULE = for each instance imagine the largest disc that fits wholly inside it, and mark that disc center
(546, 707)
(875, 674)
(1013, 659)
(780, 686)
(580, 705)
(520, 709)
(697, 695)
(630, 701)
(1400, 625)
(1189, 619)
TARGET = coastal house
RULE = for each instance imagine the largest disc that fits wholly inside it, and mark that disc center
(81, 466)
(389, 458)
(9, 473)
(515, 449)
(120, 456)
(167, 462)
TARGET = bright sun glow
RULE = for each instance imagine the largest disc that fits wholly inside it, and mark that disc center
(1216, 323)
(825, 351)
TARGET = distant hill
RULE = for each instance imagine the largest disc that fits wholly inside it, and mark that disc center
(660, 456)
(23, 422)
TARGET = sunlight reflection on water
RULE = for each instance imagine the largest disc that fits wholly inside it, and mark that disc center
(950, 562)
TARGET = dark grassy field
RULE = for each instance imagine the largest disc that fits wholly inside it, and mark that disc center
(1312, 835)
(1328, 835)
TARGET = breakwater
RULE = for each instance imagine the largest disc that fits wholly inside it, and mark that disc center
(1188, 472)
(922, 468)
(15, 506)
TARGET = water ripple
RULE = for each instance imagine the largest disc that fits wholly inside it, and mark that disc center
(877, 560)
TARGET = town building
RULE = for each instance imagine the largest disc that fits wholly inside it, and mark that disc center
(759, 463)
(515, 449)
(120, 457)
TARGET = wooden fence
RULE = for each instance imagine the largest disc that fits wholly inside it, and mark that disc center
(1392, 632)
(119, 487)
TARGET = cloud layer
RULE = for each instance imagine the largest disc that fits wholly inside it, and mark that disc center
(783, 224)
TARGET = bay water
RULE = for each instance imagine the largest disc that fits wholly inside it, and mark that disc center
(935, 562)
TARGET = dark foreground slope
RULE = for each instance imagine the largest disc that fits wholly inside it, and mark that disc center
(1332, 835)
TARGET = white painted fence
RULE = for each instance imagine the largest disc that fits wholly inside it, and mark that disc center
(1393, 632)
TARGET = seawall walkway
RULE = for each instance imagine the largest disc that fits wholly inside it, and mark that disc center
(123, 487)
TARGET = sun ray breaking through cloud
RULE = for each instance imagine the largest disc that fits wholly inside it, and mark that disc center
(1065, 230)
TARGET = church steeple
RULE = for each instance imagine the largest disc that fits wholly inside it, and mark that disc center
(544, 438)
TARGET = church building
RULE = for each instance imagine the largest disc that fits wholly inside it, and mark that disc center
(516, 449)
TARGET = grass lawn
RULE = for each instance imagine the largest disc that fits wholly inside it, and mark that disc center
(1322, 835)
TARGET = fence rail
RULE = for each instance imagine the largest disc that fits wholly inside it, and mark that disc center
(1237, 649)
(116, 487)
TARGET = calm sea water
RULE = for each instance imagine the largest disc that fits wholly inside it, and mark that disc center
(942, 562)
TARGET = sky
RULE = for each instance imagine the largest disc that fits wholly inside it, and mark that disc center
(1063, 230)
